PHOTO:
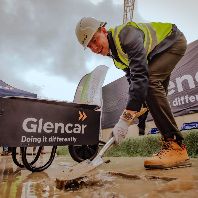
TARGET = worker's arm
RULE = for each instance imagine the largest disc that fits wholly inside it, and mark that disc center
(127, 74)
(133, 45)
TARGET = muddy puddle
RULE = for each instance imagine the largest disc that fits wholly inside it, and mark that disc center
(121, 178)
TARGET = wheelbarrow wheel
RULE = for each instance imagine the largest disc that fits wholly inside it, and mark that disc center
(80, 153)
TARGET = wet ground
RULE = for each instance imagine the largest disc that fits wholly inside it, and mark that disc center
(121, 178)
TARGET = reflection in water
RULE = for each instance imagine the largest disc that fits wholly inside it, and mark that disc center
(12, 184)
(103, 183)
(37, 185)
(10, 180)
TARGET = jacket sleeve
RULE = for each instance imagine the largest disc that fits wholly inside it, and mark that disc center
(132, 42)
(127, 75)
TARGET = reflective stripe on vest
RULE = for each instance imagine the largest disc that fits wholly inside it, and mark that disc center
(154, 33)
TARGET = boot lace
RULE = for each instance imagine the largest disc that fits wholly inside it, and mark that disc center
(166, 146)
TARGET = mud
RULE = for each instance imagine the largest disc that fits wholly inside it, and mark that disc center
(121, 178)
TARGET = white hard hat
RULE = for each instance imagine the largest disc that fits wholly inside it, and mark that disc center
(86, 28)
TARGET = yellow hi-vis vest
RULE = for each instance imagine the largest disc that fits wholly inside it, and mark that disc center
(154, 33)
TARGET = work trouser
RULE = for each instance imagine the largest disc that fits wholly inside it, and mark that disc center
(160, 69)
(142, 121)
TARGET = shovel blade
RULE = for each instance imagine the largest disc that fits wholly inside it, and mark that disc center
(82, 168)
(86, 166)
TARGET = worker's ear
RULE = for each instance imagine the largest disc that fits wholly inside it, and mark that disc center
(103, 29)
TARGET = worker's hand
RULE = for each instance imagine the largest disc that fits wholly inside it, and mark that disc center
(120, 130)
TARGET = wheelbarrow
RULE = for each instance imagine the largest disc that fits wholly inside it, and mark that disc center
(28, 122)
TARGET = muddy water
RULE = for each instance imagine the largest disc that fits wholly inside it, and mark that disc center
(122, 177)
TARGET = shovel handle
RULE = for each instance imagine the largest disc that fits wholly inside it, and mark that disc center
(106, 146)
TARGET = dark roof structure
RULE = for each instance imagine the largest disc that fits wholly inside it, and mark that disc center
(7, 90)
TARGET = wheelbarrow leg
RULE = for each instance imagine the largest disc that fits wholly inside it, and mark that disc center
(30, 166)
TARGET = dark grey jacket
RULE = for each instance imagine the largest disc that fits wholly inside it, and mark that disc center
(132, 43)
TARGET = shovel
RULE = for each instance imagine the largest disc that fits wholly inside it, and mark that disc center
(86, 166)
(80, 169)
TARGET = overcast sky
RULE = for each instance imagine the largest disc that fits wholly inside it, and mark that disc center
(40, 53)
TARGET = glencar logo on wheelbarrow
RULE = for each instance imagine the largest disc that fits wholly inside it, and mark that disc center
(33, 125)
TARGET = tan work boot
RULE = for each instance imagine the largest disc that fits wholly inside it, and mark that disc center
(171, 155)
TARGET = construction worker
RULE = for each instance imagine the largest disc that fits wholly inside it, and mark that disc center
(147, 53)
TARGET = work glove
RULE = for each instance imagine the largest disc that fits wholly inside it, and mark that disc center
(120, 130)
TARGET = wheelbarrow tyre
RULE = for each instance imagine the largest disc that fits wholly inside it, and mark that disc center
(80, 153)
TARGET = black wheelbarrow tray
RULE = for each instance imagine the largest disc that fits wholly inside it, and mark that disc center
(28, 122)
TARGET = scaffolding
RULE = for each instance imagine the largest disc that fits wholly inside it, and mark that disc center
(128, 10)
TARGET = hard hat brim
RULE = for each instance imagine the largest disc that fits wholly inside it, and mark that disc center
(102, 24)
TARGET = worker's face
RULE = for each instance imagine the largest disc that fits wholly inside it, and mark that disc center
(99, 43)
